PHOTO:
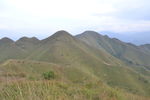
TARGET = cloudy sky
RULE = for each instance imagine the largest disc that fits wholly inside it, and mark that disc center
(41, 18)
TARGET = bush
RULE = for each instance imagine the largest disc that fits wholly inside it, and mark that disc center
(48, 75)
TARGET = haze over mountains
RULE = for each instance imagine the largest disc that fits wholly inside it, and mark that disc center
(84, 57)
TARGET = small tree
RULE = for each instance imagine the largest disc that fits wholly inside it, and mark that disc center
(48, 75)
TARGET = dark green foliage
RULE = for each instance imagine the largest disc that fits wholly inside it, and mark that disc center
(48, 75)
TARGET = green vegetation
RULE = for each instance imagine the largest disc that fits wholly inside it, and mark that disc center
(127, 52)
(62, 67)
(31, 71)
(54, 90)
(48, 75)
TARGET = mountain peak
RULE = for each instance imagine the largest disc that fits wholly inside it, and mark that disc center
(90, 32)
(60, 36)
(23, 39)
(62, 33)
(27, 39)
(6, 40)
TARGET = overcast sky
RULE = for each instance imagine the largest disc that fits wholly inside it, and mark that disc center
(41, 18)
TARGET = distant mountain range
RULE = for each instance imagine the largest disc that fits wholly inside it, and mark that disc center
(87, 56)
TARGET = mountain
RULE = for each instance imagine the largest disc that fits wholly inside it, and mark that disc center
(19, 49)
(5, 40)
(78, 59)
(127, 52)
(28, 44)
(9, 50)
(63, 46)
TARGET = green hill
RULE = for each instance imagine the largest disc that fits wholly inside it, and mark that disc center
(87, 58)
(9, 50)
(27, 44)
(127, 52)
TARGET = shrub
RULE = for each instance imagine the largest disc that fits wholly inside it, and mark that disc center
(48, 75)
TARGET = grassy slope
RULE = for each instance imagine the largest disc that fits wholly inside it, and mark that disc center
(28, 44)
(17, 50)
(9, 50)
(32, 86)
(55, 90)
(127, 52)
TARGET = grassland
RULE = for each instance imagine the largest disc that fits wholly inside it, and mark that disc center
(22, 80)
(59, 90)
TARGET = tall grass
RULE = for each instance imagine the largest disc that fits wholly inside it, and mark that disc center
(57, 90)
(54, 90)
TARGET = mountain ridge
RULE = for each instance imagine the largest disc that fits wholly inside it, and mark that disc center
(77, 35)
(90, 57)
(116, 47)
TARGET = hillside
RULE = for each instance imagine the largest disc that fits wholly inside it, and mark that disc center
(77, 61)
(9, 50)
(27, 44)
(127, 52)
(145, 48)
(24, 70)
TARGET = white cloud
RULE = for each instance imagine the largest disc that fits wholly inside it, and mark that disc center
(60, 8)
(2, 26)
(44, 16)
